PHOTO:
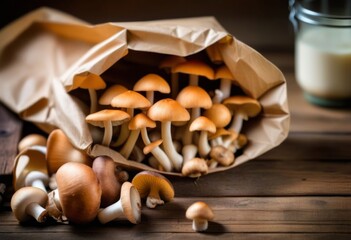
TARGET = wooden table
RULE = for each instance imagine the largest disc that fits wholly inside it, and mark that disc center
(299, 190)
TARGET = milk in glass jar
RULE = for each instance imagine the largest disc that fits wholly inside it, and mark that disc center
(323, 50)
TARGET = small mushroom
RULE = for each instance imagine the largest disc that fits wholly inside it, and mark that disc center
(200, 213)
(166, 111)
(242, 108)
(107, 118)
(29, 202)
(159, 155)
(31, 140)
(206, 126)
(128, 206)
(151, 83)
(78, 193)
(195, 167)
(221, 155)
(60, 151)
(110, 93)
(154, 187)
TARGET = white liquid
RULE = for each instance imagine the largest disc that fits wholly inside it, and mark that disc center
(323, 62)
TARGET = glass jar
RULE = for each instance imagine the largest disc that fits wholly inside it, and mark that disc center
(323, 50)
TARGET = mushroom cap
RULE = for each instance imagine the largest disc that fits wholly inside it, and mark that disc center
(241, 140)
(30, 159)
(79, 192)
(31, 140)
(88, 80)
(222, 155)
(221, 132)
(194, 97)
(25, 196)
(130, 99)
(195, 167)
(152, 82)
(202, 124)
(199, 210)
(168, 109)
(171, 61)
(223, 72)
(110, 93)
(147, 181)
(148, 148)
(250, 106)
(194, 67)
(60, 150)
(131, 202)
(117, 117)
(141, 121)
(219, 114)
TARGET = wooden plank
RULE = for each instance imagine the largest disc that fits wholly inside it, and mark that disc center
(10, 132)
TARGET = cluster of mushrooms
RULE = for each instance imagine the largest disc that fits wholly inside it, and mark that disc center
(189, 130)
(186, 130)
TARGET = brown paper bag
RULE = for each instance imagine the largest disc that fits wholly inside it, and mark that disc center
(42, 53)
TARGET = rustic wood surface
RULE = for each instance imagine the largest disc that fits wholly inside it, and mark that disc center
(299, 190)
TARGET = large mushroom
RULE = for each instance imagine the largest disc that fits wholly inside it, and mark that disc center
(200, 213)
(29, 202)
(154, 187)
(194, 68)
(78, 194)
(128, 206)
(166, 111)
(206, 126)
(151, 83)
(242, 108)
(107, 118)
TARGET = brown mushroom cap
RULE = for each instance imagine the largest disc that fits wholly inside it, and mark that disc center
(89, 80)
(171, 61)
(130, 99)
(194, 97)
(140, 121)
(222, 155)
(153, 184)
(117, 117)
(202, 124)
(199, 210)
(148, 148)
(131, 203)
(194, 67)
(249, 106)
(110, 93)
(195, 167)
(31, 140)
(152, 82)
(224, 72)
(79, 192)
(219, 114)
(168, 109)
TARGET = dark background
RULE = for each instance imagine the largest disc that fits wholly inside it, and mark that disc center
(260, 24)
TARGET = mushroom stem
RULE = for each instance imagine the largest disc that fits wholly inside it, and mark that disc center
(200, 225)
(237, 122)
(188, 135)
(153, 199)
(150, 96)
(129, 144)
(189, 152)
(225, 87)
(175, 85)
(173, 155)
(157, 152)
(124, 133)
(111, 212)
(204, 146)
(93, 100)
(193, 80)
(107, 133)
(37, 211)
(37, 179)
(218, 96)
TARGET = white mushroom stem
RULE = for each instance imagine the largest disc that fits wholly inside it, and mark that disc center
(157, 152)
(36, 211)
(168, 146)
(237, 121)
(153, 199)
(93, 100)
(216, 141)
(225, 87)
(218, 96)
(175, 85)
(130, 143)
(124, 133)
(37, 179)
(204, 146)
(189, 152)
(107, 133)
(188, 135)
(193, 80)
(112, 212)
(200, 225)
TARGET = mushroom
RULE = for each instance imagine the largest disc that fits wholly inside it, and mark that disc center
(30, 169)
(107, 118)
(166, 111)
(60, 151)
(154, 187)
(221, 155)
(200, 213)
(193, 97)
(167, 64)
(105, 169)
(128, 206)
(195, 168)
(92, 82)
(217, 138)
(239, 143)
(206, 126)
(242, 107)
(194, 68)
(29, 202)
(159, 154)
(151, 83)
(78, 193)
(226, 78)
(129, 100)
(110, 93)
(31, 140)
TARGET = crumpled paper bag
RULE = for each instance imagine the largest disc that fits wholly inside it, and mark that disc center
(42, 52)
